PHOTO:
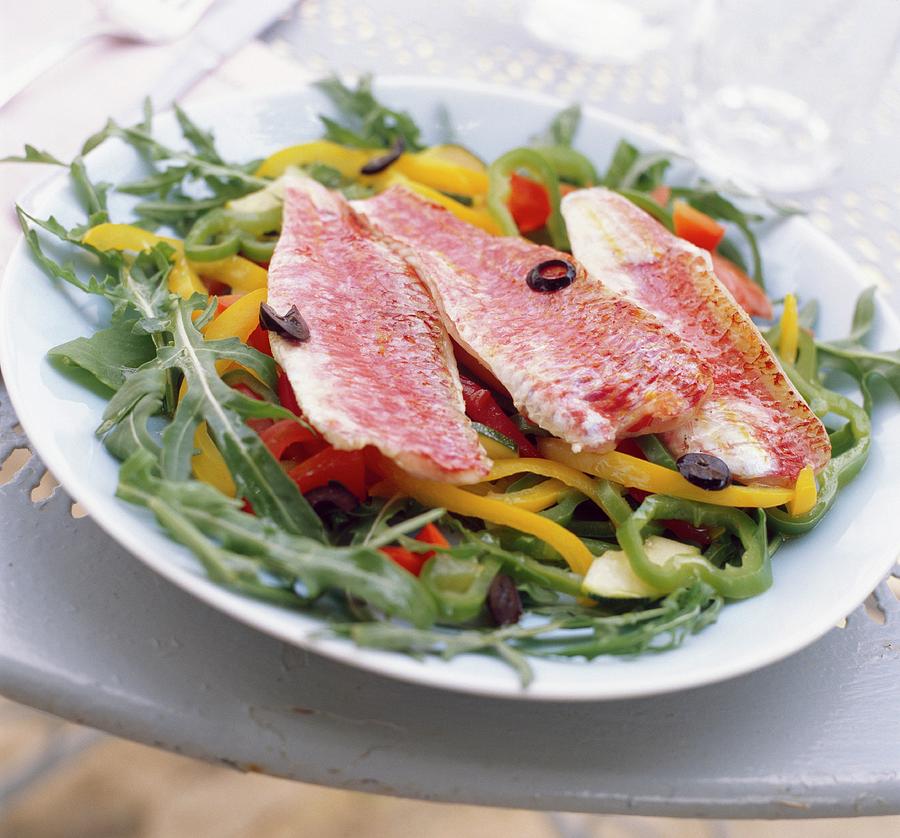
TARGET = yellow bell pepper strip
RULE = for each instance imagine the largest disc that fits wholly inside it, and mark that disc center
(805, 493)
(455, 499)
(478, 217)
(440, 174)
(183, 279)
(348, 161)
(240, 274)
(239, 320)
(209, 465)
(641, 474)
(535, 499)
(789, 338)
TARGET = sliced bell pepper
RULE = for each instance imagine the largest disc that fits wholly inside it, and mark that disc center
(789, 337)
(208, 464)
(697, 227)
(454, 499)
(534, 499)
(482, 407)
(346, 467)
(183, 279)
(640, 474)
(413, 562)
(430, 534)
(805, 493)
(500, 175)
(528, 202)
(239, 320)
(286, 394)
(748, 294)
(348, 161)
(259, 340)
(283, 434)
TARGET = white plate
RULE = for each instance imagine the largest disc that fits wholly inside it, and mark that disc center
(818, 579)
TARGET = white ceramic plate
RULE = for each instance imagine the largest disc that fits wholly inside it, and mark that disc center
(818, 579)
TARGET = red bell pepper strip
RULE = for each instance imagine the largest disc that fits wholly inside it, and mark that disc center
(745, 291)
(259, 340)
(697, 227)
(413, 562)
(280, 436)
(482, 407)
(528, 202)
(430, 534)
(346, 467)
(286, 394)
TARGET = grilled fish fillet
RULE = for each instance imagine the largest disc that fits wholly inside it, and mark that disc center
(378, 368)
(582, 362)
(755, 420)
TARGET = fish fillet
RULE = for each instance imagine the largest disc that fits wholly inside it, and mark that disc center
(584, 363)
(378, 368)
(755, 420)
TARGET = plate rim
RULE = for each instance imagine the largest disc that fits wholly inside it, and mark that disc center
(431, 673)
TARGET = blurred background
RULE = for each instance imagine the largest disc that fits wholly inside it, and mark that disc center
(668, 64)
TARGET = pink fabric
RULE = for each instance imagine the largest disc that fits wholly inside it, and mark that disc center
(105, 77)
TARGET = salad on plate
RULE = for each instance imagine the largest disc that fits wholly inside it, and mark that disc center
(516, 407)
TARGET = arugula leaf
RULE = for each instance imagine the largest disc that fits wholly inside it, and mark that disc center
(561, 130)
(201, 140)
(236, 547)
(110, 354)
(365, 121)
(33, 155)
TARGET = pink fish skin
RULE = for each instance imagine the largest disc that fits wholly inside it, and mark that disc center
(378, 368)
(755, 420)
(584, 363)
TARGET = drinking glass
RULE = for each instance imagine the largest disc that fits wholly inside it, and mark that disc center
(776, 87)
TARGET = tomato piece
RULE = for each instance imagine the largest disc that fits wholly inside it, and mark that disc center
(413, 562)
(697, 227)
(745, 291)
(282, 435)
(346, 467)
(528, 202)
(286, 394)
(259, 340)
(223, 301)
(482, 407)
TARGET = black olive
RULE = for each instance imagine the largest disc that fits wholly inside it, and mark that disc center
(379, 164)
(704, 470)
(503, 601)
(325, 500)
(290, 325)
(551, 275)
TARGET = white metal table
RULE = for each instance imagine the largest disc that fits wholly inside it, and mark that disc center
(90, 634)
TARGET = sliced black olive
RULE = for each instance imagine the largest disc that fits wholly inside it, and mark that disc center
(290, 325)
(503, 601)
(551, 275)
(379, 164)
(704, 470)
(334, 497)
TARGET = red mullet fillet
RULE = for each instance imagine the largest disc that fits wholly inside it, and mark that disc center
(584, 363)
(755, 420)
(378, 368)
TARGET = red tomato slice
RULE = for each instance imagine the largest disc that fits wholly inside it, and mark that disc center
(282, 435)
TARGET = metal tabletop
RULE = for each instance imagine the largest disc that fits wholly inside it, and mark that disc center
(90, 634)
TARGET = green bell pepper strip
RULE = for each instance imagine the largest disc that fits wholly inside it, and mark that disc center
(212, 237)
(753, 576)
(643, 201)
(459, 586)
(569, 165)
(842, 468)
(655, 451)
(499, 174)
(223, 232)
